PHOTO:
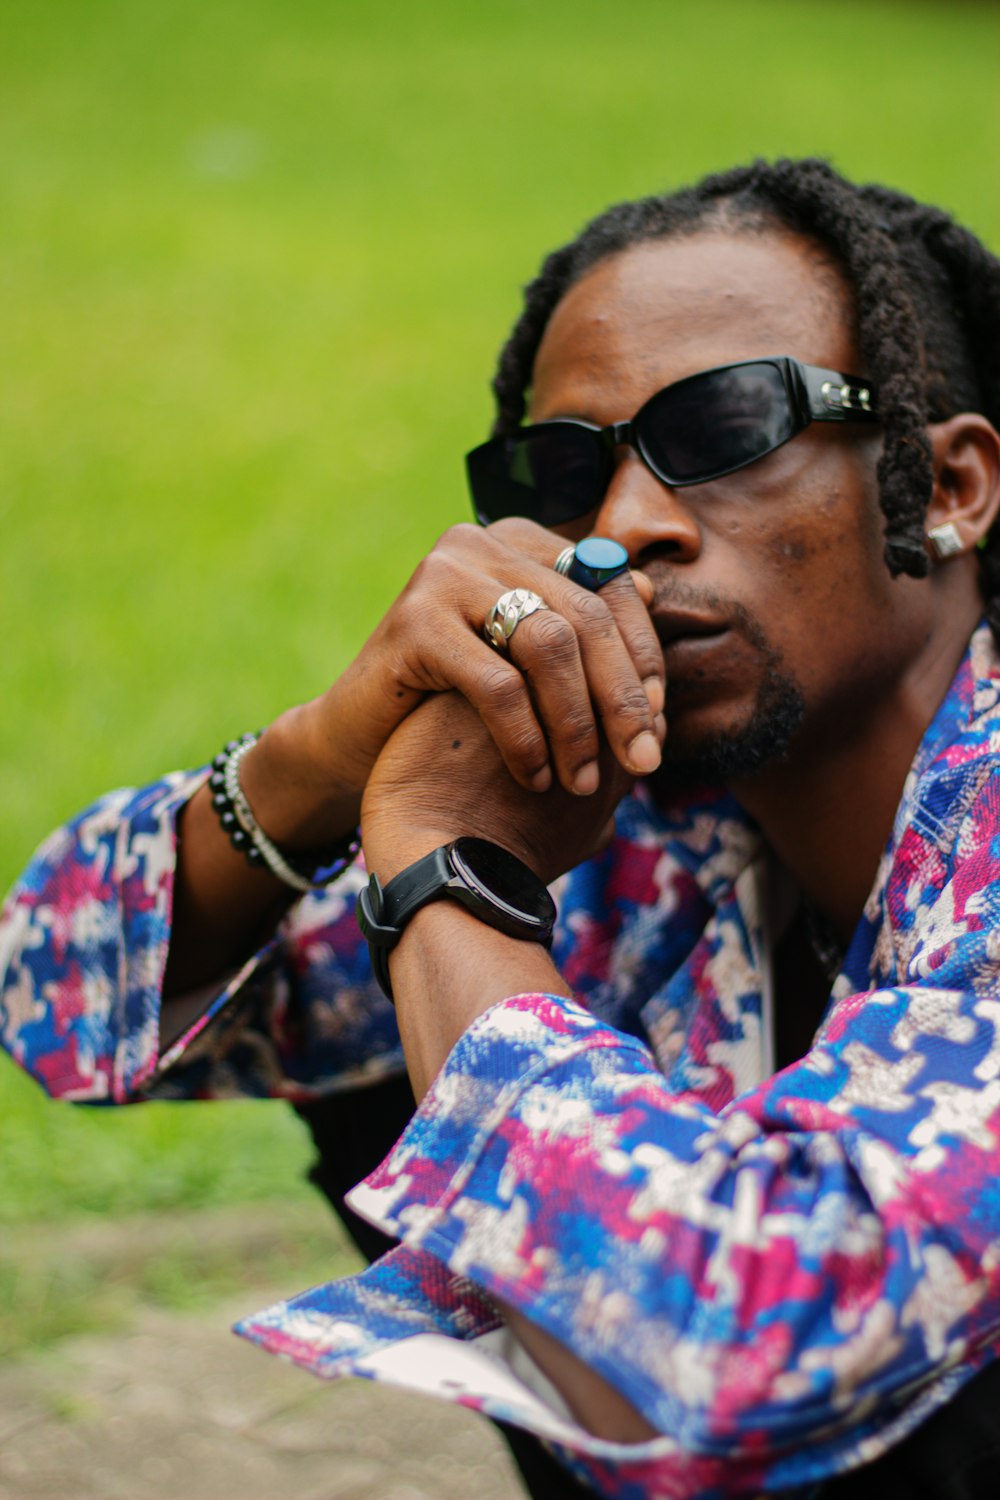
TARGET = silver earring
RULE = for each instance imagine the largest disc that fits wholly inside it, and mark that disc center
(946, 540)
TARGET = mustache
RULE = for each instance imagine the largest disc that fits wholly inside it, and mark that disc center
(672, 591)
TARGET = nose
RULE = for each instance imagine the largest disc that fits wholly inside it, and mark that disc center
(645, 515)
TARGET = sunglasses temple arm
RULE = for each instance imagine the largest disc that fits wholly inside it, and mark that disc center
(833, 397)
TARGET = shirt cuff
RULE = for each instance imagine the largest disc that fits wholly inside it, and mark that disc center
(511, 1174)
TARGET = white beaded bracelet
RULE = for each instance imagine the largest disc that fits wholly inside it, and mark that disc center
(238, 821)
(270, 853)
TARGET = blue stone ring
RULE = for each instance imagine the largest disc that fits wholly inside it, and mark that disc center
(593, 562)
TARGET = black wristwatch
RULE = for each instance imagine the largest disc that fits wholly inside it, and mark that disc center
(488, 880)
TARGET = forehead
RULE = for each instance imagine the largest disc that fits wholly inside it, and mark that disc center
(668, 308)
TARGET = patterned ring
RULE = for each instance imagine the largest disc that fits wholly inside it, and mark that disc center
(507, 613)
(564, 561)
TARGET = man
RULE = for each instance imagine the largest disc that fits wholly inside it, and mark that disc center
(729, 1224)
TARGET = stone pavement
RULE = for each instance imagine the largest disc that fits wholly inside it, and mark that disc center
(173, 1406)
(179, 1409)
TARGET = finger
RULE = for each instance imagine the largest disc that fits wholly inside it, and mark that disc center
(643, 586)
(629, 598)
(500, 696)
(576, 661)
(469, 569)
(546, 648)
(614, 681)
(623, 596)
(436, 645)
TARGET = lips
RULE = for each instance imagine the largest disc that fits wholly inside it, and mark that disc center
(678, 625)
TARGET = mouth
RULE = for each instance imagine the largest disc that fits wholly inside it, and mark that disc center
(674, 626)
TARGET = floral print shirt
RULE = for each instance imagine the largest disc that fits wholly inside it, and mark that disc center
(784, 1272)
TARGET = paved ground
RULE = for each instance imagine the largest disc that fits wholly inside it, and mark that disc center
(176, 1408)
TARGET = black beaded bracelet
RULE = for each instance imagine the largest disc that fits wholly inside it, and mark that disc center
(246, 835)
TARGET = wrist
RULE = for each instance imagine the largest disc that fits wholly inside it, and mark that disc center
(389, 849)
(298, 799)
(476, 874)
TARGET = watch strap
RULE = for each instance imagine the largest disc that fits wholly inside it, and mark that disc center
(380, 939)
(384, 911)
(427, 879)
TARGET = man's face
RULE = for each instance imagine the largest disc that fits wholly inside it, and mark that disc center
(779, 621)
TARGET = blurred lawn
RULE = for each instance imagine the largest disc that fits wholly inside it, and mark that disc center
(255, 263)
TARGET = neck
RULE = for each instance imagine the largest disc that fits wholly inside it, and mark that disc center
(829, 823)
(828, 811)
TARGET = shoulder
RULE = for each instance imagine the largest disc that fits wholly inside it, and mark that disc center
(941, 895)
(955, 774)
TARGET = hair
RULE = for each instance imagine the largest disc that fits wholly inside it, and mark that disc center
(926, 298)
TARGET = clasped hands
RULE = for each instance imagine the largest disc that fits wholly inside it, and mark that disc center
(441, 776)
(581, 691)
(443, 735)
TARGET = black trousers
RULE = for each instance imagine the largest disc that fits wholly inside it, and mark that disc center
(955, 1455)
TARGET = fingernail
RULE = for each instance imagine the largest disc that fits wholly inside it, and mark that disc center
(660, 725)
(655, 694)
(586, 780)
(644, 753)
(542, 780)
(643, 585)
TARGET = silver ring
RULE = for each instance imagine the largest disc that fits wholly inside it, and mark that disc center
(507, 613)
(564, 561)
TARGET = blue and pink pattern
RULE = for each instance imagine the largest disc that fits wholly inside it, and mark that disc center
(784, 1272)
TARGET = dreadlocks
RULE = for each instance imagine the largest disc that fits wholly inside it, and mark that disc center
(927, 300)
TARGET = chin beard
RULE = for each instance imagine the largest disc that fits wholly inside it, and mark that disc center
(764, 739)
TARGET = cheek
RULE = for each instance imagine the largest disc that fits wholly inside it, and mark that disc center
(812, 521)
(781, 552)
(809, 573)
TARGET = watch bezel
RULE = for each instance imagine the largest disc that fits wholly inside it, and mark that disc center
(462, 855)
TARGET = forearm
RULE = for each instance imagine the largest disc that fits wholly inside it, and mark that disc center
(449, 968)
(595, 1404)
(224, 907)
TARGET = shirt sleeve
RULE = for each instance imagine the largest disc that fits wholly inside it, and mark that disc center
(793, 1279)
(83, 947)
(772, 1282)
(786, 1282)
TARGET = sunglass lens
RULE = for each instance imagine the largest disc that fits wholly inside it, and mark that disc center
(552, 473)
(716, 422)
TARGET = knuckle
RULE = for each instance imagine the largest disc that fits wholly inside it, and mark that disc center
(430, 571)
(629, 702)
(514, 529)
(551, 633)
(460, 536)
(577, 732)
(504, 688)
(592, 611)
(449, 553)
(647, 656)
(524, 751)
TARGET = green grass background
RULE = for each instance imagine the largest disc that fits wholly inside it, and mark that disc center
(255, 263)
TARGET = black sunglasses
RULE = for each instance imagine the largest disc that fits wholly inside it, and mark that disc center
(697, 429)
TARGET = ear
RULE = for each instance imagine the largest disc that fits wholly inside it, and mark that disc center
(966, 495)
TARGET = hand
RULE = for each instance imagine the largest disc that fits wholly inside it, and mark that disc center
(585, 674)
(590, 660)
(441, 776)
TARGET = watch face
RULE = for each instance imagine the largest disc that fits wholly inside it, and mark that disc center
(504, 879)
